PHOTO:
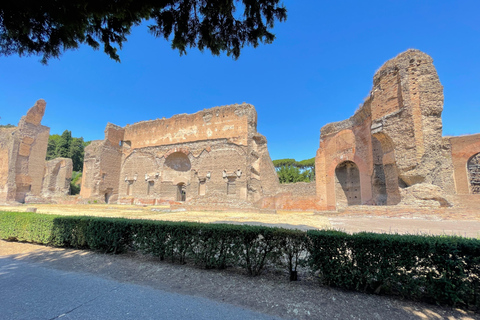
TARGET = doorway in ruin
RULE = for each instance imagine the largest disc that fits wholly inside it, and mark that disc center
(385, 187)
(181, 192)
(347, 184)
(473, 167)
(108, 194)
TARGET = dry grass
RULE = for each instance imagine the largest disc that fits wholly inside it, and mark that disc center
(296, 220)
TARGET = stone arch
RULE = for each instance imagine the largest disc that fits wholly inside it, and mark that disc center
(347, 184)
(385, 180)
(473, 168)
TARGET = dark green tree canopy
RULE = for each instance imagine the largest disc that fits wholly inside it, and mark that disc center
(290, 170)
(67, 146)
(49, 27)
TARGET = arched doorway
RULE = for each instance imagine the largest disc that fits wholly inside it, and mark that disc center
(385, 187)
(347, 184)
(473, 167)
(181, 192)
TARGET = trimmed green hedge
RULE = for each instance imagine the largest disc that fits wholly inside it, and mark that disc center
(436, 269)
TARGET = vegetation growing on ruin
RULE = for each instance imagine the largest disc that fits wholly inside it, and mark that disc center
(48, 28)
(7, 125)
(435, 269)
(291, 171)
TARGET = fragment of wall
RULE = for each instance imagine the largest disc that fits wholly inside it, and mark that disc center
(406, 105)
(396, 133)
(101, 166)
(300, 196)
(7, 172)
(57, 177)
(233, 122)
(23, 156)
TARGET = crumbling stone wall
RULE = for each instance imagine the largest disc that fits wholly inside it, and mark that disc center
(22, 156)
(394, 139)
(57, 177)
(212, 152)
(24, 174)
(101, 166)
(299, 196)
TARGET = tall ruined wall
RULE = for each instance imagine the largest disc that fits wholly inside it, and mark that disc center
(101, 166)
(228, 122)
(7, 174)
(406, 104)
(22, 156)
(393, 141)
(212, 153)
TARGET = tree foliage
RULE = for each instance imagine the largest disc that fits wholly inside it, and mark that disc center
(291, 171)
(49, 27)
(67, 146)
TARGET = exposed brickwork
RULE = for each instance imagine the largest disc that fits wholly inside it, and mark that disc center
(213, 154)
(23, 174)
(394, 140)
(463, 150)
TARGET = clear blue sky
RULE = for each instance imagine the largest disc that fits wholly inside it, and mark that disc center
(318, 70)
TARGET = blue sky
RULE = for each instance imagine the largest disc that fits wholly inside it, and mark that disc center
(318, 70)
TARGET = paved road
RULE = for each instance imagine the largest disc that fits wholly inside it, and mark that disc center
(29, 291)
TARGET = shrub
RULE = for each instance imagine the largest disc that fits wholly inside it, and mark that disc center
(443, 270)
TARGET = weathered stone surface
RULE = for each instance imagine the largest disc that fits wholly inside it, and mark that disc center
(22, 156)
(393, 141)
(57, 177)
(215, 153)
(422, 194)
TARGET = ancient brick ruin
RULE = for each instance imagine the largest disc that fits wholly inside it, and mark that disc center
(24, 174)
(215, 154)
(390, 152)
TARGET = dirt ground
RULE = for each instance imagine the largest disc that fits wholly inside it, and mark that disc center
(270, 293)
(460, 221)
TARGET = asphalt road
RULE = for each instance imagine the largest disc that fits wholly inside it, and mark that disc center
(29, 291)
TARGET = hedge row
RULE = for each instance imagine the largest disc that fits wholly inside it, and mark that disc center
(436, 269)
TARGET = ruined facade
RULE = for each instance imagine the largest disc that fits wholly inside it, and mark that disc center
(215, 153)
(392, 148)
(23, 170)
(390, 152)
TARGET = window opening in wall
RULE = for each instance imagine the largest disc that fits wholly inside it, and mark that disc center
(150, 187)
(181, 192)
(231, 189)
(108, 194)
(473, 167)
(202, 188)
(129, 187)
